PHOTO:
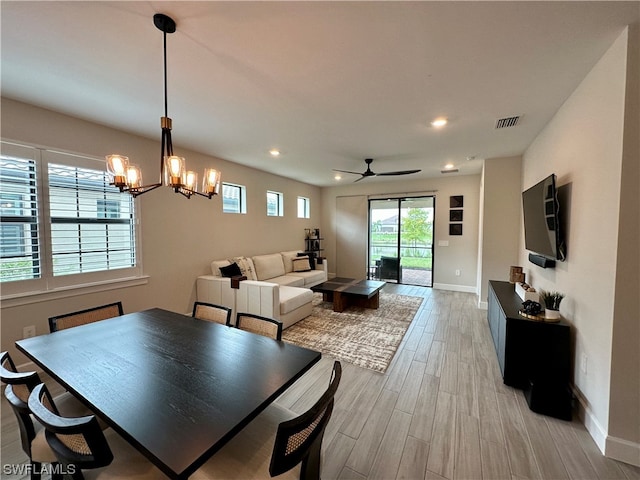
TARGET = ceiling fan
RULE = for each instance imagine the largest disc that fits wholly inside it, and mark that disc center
(369, 173)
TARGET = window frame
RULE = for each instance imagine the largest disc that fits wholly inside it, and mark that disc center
(279, 204)
(306, 207)
(242, 200)
(20, 292)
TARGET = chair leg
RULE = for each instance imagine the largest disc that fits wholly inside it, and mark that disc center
(310, 469)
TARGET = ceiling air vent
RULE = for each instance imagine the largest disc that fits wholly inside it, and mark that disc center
(451, 170)
(507, 122)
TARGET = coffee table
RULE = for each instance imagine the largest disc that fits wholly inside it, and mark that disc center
(345, 292)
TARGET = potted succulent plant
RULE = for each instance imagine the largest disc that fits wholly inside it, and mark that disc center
(551, 302)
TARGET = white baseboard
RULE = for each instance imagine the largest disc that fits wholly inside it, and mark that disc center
(611, 447)
(483, 305)
(455, 288)
(623, 450)
(590, 422)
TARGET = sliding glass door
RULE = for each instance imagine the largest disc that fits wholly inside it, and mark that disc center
(401, 240)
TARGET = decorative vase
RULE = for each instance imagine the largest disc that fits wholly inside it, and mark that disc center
(551, 314)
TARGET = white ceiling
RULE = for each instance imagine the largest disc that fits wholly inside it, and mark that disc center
(328, 83)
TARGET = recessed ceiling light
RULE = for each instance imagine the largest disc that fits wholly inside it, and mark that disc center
(439, 122)
(449, 166)
(337, 176)
(274, 152)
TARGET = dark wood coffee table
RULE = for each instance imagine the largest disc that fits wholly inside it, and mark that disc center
(346, 292)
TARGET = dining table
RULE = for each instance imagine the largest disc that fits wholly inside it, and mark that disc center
(175, 387)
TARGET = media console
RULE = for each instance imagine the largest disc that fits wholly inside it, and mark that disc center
(534, 356)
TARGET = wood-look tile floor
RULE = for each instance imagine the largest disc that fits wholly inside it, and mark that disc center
(440, 411)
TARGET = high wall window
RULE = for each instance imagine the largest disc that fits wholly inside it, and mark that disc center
(234, 198)
(303, 207)
(63, 225)
(275, 204)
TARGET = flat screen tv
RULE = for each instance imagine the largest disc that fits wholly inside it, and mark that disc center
(542, 233)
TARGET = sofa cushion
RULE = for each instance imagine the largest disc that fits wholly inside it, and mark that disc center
(215, 267)
(287, 259)
(312, 277)
(268, 266)
(246, 267)
(293, 297)
(301, 264)
(291, 280)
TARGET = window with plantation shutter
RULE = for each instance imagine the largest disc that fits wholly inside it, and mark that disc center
(91, 222)
(19, 234)
(63, 226)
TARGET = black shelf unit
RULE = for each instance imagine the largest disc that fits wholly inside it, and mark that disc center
(533, 355)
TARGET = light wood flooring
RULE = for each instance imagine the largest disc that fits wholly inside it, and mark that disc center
(440, 411)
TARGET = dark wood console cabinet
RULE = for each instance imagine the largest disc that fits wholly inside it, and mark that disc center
(534, 356)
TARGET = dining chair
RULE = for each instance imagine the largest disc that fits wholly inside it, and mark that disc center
(82, 317)
(212, 312)
(268, 327)
(79, 444)
(17, 390)
(276, 443)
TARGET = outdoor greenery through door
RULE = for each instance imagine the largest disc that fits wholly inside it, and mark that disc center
(401, 240)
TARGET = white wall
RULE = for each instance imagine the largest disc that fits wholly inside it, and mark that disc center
(501, 221)
(462, 252)
(180, 237)
(582, 145)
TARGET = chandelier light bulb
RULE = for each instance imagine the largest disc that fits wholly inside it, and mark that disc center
(134, 177)
(117, 168)
(190, 180)
(211, 181)
(174, 171)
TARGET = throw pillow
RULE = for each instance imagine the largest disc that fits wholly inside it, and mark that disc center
(232, 270)
(310, 260)
(301, 264)
(246, 267)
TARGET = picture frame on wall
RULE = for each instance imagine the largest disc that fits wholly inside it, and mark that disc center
(456, 201)
(455, 229)
(455, 215)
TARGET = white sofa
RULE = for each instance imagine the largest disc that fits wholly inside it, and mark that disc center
(274, 288)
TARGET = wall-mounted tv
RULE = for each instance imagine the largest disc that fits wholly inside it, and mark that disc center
(542, 233)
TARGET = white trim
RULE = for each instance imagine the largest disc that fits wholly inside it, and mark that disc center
(590, 422)
(455, 288)
(623, 450)
(483, 305)
(27, 298)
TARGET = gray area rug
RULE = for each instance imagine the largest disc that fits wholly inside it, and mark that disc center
(365, 337)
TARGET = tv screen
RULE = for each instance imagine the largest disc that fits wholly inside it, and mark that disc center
(541, 227)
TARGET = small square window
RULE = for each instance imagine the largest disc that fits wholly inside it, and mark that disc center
(234, 198)
(275, 204)
(303, 207)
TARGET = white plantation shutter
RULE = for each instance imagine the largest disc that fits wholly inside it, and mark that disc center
(92, 223)
(63, 225)
(19, 229)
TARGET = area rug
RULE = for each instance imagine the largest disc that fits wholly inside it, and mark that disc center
(365, 337)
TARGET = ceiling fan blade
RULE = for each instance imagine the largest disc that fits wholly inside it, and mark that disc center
(399, 172)
(346, 171)
(362, 177)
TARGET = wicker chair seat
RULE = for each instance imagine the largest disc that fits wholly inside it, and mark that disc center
(248, 454)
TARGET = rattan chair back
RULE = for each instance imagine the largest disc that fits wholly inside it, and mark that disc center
(74, 441)
(212, 312)
(265, 326)
(18, 388)
(300, 439)
(90, 315)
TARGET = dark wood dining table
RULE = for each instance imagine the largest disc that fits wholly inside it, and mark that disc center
(175, 387)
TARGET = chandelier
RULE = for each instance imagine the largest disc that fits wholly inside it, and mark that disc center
(173, 173)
